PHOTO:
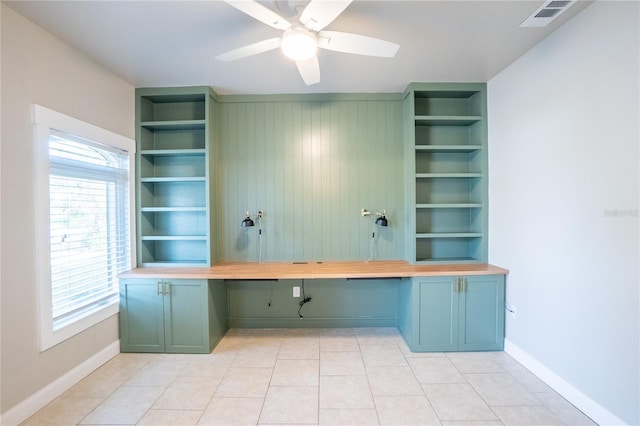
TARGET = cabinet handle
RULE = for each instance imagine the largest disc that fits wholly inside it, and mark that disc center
(166, 289)
(158, 290)
(456, 289)
(463, 286)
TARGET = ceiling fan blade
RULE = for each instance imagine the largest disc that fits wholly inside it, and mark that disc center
(261, 13)
(320, 13)
(250, 50)
(355, 43)
(309, 70)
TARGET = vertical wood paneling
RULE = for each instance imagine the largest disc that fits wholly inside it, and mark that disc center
(311, 166)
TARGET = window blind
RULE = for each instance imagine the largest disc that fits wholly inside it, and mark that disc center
(89, 226)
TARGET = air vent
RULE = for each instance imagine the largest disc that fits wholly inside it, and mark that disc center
(549, 11)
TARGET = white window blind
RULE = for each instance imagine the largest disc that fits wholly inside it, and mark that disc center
(89, 225)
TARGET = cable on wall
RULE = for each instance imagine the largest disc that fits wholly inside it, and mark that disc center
(260, 214)
(304, 300)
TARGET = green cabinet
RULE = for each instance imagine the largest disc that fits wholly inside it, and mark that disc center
(178, 316)
(176, 137)
(446, 163)
(453, 313)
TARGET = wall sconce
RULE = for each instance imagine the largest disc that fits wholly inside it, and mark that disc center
(248, 222)
(381, 220)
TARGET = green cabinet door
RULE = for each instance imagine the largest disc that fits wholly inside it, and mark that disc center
(481, 307)
(141, 316)
(437, 314)
(454, 313)
(186, 318)
(176, 316)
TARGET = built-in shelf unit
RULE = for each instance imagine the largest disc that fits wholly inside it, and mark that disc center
(446, 166)
(176, 140)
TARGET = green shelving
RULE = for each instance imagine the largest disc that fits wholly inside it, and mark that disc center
(177, 137)
(446, 139)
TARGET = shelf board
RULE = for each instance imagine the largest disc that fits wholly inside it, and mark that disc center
(447, 260)
(449, 235)
(173, 152)
(448, 148)
(449, 206)
(174, 125)
(447, 175)
(173, 209)
(174, 179)
(173, 263)
(446, 120)
(173, 237)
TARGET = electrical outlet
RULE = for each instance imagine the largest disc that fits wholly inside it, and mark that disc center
(511, 309)
(296, 292)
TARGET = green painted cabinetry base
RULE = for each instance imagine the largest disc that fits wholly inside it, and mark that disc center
(175, 316)
(443, 314)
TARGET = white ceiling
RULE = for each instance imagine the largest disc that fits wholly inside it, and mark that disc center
(173, 43)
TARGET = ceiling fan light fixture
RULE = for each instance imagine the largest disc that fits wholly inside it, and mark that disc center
(299, 44)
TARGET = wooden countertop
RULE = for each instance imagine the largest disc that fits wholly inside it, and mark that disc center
(313, 270)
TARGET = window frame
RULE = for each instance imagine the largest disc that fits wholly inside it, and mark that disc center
(45, 121)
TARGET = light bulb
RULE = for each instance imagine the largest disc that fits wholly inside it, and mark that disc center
(299, 44)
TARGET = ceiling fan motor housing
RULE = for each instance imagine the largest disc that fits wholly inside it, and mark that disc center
(299, 44)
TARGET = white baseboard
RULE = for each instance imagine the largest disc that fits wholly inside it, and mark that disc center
(28, 407)
(588, 406)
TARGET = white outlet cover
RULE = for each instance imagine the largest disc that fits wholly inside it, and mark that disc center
(296, 292)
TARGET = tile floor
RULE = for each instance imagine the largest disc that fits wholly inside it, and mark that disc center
(311, 376)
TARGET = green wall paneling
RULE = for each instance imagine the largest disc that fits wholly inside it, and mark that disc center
(176, 164)
(311, 162)
(334, 303)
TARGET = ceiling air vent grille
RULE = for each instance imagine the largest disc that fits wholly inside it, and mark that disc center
(549, 11)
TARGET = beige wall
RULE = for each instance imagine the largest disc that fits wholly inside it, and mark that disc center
(38, 68)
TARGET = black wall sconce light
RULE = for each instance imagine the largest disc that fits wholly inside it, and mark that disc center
(248, 222)
(381, 220)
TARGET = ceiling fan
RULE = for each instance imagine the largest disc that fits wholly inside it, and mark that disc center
(300, 41)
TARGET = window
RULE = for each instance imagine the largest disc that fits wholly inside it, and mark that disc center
(84, 228)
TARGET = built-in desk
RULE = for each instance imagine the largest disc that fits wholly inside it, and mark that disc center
(315, 270)
(435, 307)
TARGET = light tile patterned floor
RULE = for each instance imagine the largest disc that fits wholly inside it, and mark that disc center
(364, 376)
